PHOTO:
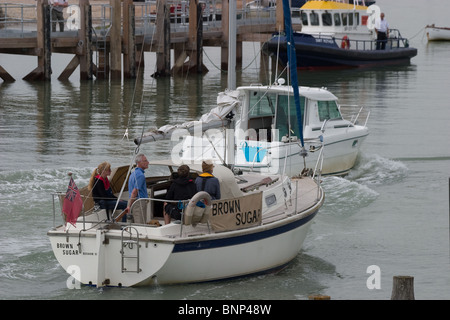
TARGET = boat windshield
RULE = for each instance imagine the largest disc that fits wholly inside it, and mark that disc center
(287, 116)
(328, 110)
(264, 107)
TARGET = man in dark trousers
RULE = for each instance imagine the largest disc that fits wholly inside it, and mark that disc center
(382, 30)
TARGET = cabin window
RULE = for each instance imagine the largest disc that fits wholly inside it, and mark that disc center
(337, 19)
(328, 110)
(304, 17)
(287, 116)
(314, 18)
(344, 19)
(350, 19)
(326, 19)
(262, 104)
(357, 18)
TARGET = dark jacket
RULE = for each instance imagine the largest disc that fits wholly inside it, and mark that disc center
(207, 182)
(181, 189)
(100, 192)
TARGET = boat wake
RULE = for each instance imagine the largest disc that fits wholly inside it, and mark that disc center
(346, 195)
(374, 170)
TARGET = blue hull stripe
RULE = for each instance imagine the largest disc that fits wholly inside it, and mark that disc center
(247, 238)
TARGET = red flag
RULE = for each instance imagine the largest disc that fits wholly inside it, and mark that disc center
(72, 203)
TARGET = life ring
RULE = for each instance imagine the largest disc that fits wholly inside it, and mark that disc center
(193, 213)
(345, 44)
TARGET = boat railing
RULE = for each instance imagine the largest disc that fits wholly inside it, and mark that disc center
(92, 213)
(394, 41)
(355, 114)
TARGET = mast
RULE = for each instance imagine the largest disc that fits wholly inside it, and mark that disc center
(292, 61)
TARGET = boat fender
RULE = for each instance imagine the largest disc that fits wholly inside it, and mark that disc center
(198, 209)
(345, 44)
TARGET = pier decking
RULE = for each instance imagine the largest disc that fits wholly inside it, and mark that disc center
(107, 38)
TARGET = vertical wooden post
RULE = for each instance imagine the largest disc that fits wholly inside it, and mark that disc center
(44, 51)
(279, 16)
(199, 34)
(163, 39)
(403, 288)
(115, 40)
(85, 37)
(264, 63)
(226, 35)
(129, 50)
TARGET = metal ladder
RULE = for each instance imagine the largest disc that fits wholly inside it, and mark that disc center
(101, 41)
(131, 244)
(102, 54)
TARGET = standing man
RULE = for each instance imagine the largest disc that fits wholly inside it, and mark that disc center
(382, 30)
(137, 189)
(57, 13)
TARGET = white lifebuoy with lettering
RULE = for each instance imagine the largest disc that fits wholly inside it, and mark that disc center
(194, 214)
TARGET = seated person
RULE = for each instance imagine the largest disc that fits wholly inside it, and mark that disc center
(101, 190)
(182, 188)
(207, 182)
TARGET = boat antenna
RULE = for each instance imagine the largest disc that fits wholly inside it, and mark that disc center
(292, 61)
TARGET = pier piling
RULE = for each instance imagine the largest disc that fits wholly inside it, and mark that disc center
(403, 288)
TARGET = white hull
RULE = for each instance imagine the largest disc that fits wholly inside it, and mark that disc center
(437, 33)
(100, 264)
(339, 156)
(175, 253)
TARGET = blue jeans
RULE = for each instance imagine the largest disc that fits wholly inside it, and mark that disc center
(109, 206)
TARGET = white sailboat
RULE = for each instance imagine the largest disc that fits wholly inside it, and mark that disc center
(258, 225)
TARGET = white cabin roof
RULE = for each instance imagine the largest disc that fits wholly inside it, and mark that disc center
(320, 94)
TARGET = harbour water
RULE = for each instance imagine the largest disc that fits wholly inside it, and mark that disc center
(391, 211)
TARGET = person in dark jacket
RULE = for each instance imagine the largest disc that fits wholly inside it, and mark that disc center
(182, 188)
(101, 190)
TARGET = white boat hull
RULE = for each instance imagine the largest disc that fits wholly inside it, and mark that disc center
(437, 33)
(265, 249)
(340, 153)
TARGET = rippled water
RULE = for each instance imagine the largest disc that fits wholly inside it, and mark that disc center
(392, 210)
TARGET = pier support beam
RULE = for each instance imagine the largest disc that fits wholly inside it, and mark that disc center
(194, 47)
(163, 41)
(115, 45)
(129, 43)
(43, 70)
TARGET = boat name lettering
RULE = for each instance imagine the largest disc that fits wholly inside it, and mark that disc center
(330, 41)
(247, 217)
(226, 207)
(67, 249)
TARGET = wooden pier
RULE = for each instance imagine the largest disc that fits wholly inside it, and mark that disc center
(114, 48)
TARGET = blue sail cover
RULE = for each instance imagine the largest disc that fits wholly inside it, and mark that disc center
(292, 61)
